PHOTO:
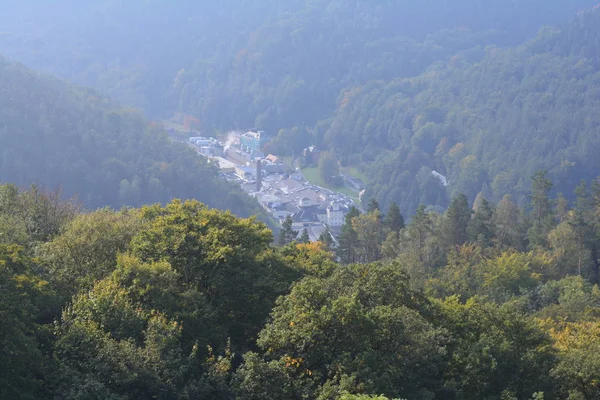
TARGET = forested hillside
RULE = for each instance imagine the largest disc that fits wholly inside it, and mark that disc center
(488, 118)
(395, 89)
(181, 302)
(278, 64)
(57, 135)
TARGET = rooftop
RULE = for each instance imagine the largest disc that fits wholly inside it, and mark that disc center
(254, 135)
(223, 163)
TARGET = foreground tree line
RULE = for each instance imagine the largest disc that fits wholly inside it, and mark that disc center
(185, 302)
(567, 235)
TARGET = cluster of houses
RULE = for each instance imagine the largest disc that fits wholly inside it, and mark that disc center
(288, 193)
(311, 207)
(280, 190)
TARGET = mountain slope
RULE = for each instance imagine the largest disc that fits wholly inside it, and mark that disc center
(256, 62)
(397, 89)
(55, 134)
(488, 119)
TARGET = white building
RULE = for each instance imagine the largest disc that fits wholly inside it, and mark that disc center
(336, 213)
(304, 202)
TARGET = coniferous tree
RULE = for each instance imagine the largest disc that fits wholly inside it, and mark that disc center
(581, 223)
(304, 238)
(390, 248)
(394, 221)
(369, 229)
(456, 221)
(373, 205)
(348, 240)
(541, 209)
(353, 212)
(480, 227)
(287, 234)
(326, 239)
(562, 208)
(419, 230)
(348, 243)
(507, 224)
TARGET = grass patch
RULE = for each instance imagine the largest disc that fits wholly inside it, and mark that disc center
(354, 172)
(314, 177)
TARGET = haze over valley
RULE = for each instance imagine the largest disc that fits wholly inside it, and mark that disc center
(299, 199)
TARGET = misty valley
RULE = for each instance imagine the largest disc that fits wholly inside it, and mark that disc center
(300, 199)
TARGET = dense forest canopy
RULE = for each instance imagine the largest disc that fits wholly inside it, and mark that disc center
(487, 119)
(58, 135)
(241, 51)
(390, 87)
(183, 302)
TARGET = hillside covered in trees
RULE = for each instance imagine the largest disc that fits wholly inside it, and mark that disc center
(184, 302)
(58, 135)
(487, 119)
(393, 89)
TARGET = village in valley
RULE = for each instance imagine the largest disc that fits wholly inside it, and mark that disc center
(278, 186)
